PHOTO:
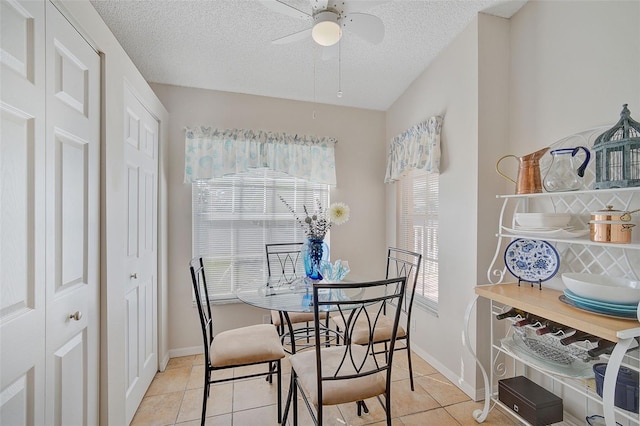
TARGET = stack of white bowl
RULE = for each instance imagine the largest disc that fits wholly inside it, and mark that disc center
(542, 221)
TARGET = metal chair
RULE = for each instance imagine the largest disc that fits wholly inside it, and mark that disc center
(351, 372)
(284, 261)
(400, 263)
(256, 344)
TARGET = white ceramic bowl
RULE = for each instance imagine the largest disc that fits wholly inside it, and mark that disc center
(543, 220)
(602, 287)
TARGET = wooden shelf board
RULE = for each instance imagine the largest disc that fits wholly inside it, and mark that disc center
(545, 303)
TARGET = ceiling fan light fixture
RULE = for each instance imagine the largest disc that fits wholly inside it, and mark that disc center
(326, 29)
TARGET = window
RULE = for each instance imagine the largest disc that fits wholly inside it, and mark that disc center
(418, 230)
(235, 216)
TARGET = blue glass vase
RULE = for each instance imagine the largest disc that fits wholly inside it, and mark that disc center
(314, 251)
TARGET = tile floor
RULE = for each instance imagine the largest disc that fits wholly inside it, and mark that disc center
(175, 398)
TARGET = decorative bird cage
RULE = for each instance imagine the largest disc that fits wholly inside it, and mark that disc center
(618, 154)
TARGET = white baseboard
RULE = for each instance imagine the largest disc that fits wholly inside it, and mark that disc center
(475, 394)
(193, 350)
(164, 361)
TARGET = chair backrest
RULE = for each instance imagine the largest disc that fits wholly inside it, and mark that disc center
(355, 360)
(284, 260)
(404, 263)
(202, 299)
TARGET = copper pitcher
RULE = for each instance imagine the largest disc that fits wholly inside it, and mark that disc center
(529, 180)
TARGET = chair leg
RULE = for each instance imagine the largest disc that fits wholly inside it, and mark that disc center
(409, 362)
(294, 397)
(326, 331)
(279, 379)
(272, 368)
(287, 404)
(205, 396)
(387, 397)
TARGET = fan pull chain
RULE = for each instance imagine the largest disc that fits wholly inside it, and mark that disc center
(314, 115)
(340, 69)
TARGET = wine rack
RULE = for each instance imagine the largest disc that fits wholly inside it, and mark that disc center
(617, 339)
(574, 378)
(563, 346)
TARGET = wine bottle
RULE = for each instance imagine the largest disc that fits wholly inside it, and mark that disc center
(604, 346)
(530, 319)
(553, 328)
(522, 322)
(512, 313)
(576, 337)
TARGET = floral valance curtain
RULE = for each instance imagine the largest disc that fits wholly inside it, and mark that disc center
(417, 148)
(211, 153)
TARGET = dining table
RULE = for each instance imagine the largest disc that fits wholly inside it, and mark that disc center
(288, 294)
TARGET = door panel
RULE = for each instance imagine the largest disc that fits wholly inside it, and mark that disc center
(16, 198)
(140, 144)
(132, 338)
(22, 25)
(132, 209)
(69, 358)
(71, 210)
(22, 213)
(72, 191)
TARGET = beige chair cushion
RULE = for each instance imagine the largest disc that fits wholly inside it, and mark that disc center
(337, 391)
(246, 345)
(360, 335)
(294, 317)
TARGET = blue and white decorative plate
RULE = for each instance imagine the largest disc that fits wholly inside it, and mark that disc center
(533, 261)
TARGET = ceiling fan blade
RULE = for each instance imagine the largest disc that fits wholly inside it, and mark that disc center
(330, 52)
(368, 27)
(359, 6)
(285, 9)
(300, 35)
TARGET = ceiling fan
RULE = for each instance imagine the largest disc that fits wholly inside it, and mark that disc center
(328, 19)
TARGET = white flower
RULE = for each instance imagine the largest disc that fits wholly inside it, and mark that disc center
(339, 213)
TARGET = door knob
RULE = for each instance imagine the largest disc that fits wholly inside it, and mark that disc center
(134, 276)
(76, 315)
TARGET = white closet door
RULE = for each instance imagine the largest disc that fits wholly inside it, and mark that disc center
(72, 224)
(22, 212)
(140, 141)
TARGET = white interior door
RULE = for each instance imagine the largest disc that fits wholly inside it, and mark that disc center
(72, 224)
(141, 160)
(22, 213)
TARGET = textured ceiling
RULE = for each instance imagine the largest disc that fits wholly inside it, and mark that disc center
(226, 45)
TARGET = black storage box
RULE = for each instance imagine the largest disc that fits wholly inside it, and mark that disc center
(530, 401)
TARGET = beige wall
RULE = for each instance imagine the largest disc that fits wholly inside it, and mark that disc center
(360, 168)
(451, 87)
(573, 66)
(504, 86)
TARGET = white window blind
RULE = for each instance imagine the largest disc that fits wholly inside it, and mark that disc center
(235, 216)
(418, 230)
